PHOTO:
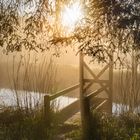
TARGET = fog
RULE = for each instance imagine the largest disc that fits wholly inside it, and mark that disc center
(63, 73)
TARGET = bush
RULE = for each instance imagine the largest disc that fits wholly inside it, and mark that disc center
(18, 124)
(123, 127)
(111, 127)
(21, 125)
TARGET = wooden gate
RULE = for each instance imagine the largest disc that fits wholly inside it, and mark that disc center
(66, 112)
(105, 83)
(91, 100)
(88, 100)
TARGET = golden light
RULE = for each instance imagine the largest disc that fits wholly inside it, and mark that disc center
(70, 16)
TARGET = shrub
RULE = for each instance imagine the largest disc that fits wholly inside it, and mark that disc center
(123, 127)
(20, 125)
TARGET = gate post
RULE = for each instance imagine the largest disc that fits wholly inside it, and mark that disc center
(110, 94)
(47, 110)
(84, 103)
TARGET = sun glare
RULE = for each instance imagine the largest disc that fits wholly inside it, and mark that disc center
(70, 16)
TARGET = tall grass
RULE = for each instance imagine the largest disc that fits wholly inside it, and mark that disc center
(18, 124)
(31, 77)
(31, 74)
(126, 126)
(129, 90)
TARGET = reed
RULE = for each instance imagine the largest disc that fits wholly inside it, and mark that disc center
(128, 88)
(32, 75)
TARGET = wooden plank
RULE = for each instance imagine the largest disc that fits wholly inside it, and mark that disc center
(100, 73)
(95, 93)
(63, 92)
(96, 81)
(101, 104)
(103, 70)
(106, 90)
(94, 76)
(70, 110)
(89, 70)
(97, 102)
(88, 86)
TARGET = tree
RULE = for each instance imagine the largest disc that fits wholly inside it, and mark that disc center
(109, 26)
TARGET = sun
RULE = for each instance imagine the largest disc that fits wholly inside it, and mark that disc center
(70, 17)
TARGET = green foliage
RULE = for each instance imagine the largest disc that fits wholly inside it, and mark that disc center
(123, 127)
(74, 135)
(9, 24)
(109, 26)
(22, 125)
(105, 127)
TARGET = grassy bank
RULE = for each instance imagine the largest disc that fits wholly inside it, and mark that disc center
(105, 127)
(17, 124)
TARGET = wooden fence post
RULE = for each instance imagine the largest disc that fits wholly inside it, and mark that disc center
(88, 120)
(110, 94)
(84, 102)
(47, 110)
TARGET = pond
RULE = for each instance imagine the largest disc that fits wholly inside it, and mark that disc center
(8, 98)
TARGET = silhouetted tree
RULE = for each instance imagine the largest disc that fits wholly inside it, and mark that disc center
(109, 26)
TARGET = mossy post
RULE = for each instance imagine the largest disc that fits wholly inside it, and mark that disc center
(47, 110)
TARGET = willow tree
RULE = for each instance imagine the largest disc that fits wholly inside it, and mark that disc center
(107, 26)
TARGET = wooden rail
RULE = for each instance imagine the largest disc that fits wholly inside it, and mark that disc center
(95, 93)
(95, 80)
(47, 104)
(101, 104)
(74, 107)
(94, 103)
(70, 110)
(63, 92)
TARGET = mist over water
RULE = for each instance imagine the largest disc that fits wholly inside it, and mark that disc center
(8, 98)
(67, 75)
(32, 99)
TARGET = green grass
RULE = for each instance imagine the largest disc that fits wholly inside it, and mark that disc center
(21, 125)
(18, 124)
(105, 127)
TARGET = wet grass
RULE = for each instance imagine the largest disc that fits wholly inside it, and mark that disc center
(18, 124)
(106, 127)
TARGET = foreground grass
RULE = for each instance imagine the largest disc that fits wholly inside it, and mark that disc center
(24, 125)
(105, 127)
(123, 127)
(17, 124)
